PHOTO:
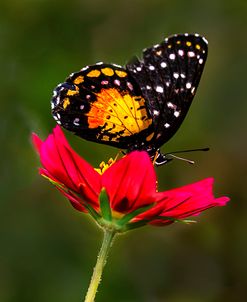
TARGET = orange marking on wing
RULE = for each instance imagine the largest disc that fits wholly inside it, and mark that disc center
(94, 73)
(113, 111)
(121, 73)
(79, 80)
(66, 103)
(108, 71)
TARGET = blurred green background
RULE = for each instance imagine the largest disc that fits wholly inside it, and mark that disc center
(48, 249)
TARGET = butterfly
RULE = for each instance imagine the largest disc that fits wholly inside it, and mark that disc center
(136, 107)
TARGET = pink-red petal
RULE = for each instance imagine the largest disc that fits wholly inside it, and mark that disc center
(185, 201)
(130, 182)
(67, 167)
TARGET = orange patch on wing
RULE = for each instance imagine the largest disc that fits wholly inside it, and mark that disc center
(94, 73)
(121, 73)
(79, 80)
(66, 103)
(73, 92)
(148, 138)
(107, 71)
(115, 112)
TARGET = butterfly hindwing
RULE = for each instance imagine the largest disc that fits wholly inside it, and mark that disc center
(168, 75)
(101, 103)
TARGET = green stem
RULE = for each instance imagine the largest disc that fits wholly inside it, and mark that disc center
(101, 261)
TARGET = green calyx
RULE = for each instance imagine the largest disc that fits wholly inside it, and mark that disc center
(105, 217)
(119, 225)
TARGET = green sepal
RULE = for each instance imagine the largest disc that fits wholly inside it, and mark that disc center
(105, 205)
(126, 218)
(55, 183)
(88, 207)
(186, 221)
(135, 225)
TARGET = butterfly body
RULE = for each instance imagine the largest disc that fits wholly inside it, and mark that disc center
(137, 107)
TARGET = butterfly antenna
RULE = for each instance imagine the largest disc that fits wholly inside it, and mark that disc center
(190, 150)
(171, 155)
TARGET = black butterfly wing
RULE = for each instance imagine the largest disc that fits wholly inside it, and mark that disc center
(168, 76)
(102, 103)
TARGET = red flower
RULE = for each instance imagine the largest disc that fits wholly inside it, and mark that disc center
(130, 185)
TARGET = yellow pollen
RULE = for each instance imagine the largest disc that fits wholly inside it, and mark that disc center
(188, 43)
(66, 103)
(198, 46)
(94, 73)
(104, 166)
(121, 74)
(108, 71)
(79, 80)
(169, 46)
(178, 42)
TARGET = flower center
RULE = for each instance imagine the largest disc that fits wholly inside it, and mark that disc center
(104, 166)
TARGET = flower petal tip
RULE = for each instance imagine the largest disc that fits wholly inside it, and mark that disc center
(36, 141)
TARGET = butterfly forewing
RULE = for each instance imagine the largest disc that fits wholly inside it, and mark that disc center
(172, 74)
(101, 103)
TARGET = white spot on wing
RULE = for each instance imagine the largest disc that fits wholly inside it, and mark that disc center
(116, 65)
(167, 125)
(175, 75)
(181, 52)
(188, 85)
(163, 64)
(176, 113)
(84, 68)
(76, 121)
(191, 54)
(171, 105)
(156, 112)
(54, 93)
(205, 40)
(151, 67)
(200, 61)
(117, 82)
(172, 56)
(159, 89)
(130, 85)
